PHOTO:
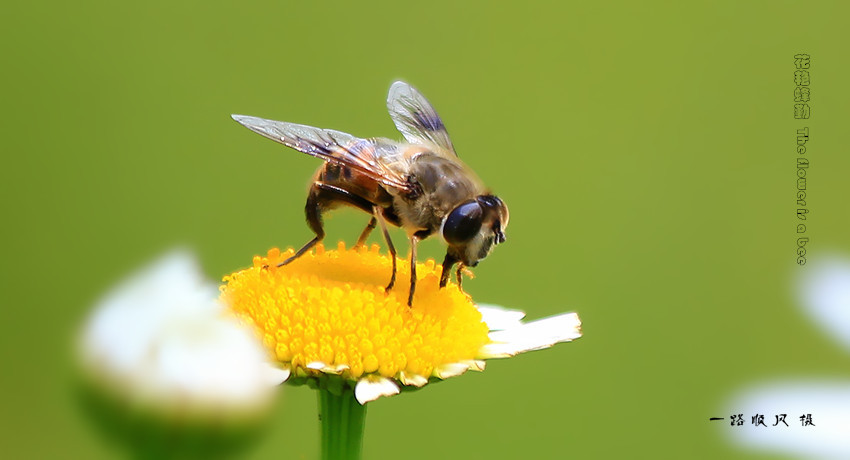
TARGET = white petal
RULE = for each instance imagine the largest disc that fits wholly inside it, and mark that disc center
(476, 364)
(335, 369)
(449, 370)
(826, 297)
(412, 379)
(315, 365)
(828, 402)
(498, 318)
(370, 389)
(535, 335)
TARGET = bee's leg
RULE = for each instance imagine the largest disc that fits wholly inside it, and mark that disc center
(323, 195)
(313, 210)
(414, 240)
(380, 218)
(447, 268)
(366, 231)
(459, 275)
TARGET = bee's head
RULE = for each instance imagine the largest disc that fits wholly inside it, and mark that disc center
(473, 227)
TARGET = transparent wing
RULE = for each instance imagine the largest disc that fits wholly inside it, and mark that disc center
(338, 147)
(416, 118)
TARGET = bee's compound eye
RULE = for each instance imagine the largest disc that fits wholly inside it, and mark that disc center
(463, 223)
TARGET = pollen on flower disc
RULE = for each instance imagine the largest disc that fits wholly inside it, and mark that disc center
(330, 307)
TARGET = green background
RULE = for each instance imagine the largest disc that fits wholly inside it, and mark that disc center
(646, 153)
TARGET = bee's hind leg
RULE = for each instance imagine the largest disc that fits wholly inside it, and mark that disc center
(324, 196)
(313, 211)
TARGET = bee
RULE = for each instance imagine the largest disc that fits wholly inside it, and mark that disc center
(419, 184)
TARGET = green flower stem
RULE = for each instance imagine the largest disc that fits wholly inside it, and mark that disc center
(343, 421)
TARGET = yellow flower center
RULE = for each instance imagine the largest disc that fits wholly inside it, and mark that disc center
(330, 307)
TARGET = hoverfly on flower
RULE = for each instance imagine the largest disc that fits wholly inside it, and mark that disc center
(419, 184)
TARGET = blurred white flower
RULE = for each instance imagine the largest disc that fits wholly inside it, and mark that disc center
(162, 340)
(827, 401)
(825, 296)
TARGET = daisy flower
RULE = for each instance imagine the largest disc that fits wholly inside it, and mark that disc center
(330, 324)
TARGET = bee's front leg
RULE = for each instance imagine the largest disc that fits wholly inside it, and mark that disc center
(448, 262)
(459, 275)
(414, 240)
(377, 215)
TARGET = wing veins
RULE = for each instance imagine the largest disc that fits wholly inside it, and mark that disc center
(323, 144)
